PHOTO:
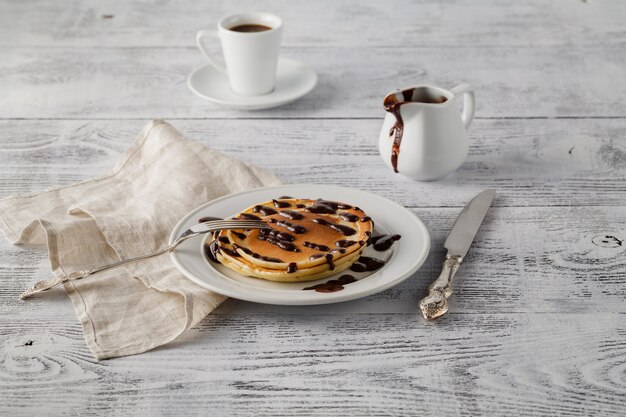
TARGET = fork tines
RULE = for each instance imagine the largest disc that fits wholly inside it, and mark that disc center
(236, 224)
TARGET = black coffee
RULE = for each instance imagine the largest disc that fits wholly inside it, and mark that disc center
(250, 28)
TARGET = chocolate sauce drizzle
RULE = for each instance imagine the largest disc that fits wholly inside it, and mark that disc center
(230, 252)
(349, 217)
(321, 206)
(254, 254)
(344, 230)
(322, 255)
(316, 246)
(392, 105)
(246, 251)
(295, 228)
(383, 242)
(211, 250)
(329, 261)
(343, 243)
(284, 245)
(285, 240)
(249, 216)
(265, 211)
(291, 215)
(270, 259)
(208, 219)
(367, 264)
(333, 285)
(276, 234)
(281, 204)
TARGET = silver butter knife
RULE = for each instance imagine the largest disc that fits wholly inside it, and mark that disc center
(435, 304)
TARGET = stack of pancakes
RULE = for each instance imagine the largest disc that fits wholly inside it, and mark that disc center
(305, 240)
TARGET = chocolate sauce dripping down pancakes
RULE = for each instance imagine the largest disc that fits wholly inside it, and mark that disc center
(305, 240)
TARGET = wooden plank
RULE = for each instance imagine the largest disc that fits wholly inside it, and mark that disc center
(535, 162)
(537, 321)
(327, 23)
(145, 83)
(394, 364)
(534, 260)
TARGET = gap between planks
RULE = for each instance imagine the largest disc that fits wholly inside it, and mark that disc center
(305, 118)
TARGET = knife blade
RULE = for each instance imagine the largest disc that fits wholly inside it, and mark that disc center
(459, 240)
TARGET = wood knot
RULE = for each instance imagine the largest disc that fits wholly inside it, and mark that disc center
(607, 241)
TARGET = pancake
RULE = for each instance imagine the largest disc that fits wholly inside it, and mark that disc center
(305, 240)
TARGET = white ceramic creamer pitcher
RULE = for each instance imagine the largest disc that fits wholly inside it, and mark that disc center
(424, 134)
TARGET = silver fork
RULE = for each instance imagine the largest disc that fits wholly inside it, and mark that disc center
(199, 229)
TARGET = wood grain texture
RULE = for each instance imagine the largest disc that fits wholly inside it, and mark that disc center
(535, 260)
(123, 83)
(534, 162)
(537, 323)
(319, 23)
(321, 364)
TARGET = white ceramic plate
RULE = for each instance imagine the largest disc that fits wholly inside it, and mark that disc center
(293, 80)
(403, 259)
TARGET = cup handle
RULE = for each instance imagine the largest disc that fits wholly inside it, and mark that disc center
(199, 41)
(468, 102)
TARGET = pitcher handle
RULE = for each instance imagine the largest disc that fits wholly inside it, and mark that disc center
(468, 102)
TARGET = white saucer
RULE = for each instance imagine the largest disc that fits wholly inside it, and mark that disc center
(293, 80)
(402, 260)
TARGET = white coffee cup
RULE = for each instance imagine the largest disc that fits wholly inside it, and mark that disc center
(251, 57)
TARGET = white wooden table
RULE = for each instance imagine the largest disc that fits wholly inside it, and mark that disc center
(538, 323)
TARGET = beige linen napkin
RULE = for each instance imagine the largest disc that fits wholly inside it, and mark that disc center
(128, 213)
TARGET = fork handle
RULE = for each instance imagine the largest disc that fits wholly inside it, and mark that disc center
(51, 283)
(210, 226)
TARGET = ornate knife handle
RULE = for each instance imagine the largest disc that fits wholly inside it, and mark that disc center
(435, 304)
